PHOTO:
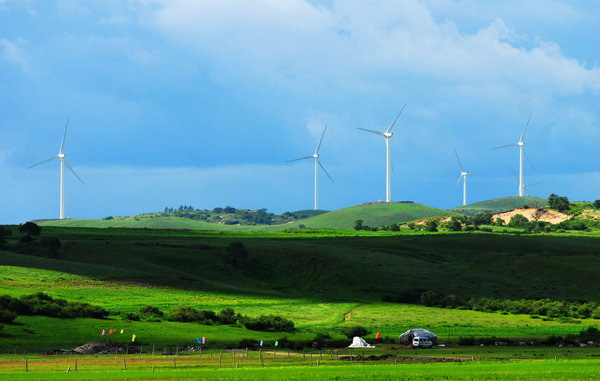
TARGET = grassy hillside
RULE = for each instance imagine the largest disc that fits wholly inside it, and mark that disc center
(377, 214)
(316, 281)
(499, 205)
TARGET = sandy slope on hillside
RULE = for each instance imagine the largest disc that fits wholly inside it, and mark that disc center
(533, 214)
(590, 214)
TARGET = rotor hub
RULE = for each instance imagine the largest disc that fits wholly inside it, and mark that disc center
(62, 155)
(388, 134)
(316, 155)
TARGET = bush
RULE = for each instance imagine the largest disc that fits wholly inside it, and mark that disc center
(431, 226)
(44, 305)
(597, 204)
(248, 343)
(518, 221)
(269, 323)
(131, 316)
(350, 332)
(189, 314)
(7, 316)
(590, 334)
(559, 203)
(151, 312)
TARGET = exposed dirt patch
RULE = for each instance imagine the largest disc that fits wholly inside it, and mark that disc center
(104, 347)
(590, 214)
(534, 214)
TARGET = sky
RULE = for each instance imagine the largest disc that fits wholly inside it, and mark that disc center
(201, 102)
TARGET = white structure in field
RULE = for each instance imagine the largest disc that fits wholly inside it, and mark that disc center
(387, 134)
(521, 145)
(463, 176)
(62, 156)
(318, 164)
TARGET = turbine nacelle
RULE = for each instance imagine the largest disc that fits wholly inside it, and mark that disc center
(315, 155)
(61, 155)
(520, 144)
(464, 174)
(388, 135)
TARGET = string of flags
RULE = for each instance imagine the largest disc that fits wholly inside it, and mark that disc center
(203, 341)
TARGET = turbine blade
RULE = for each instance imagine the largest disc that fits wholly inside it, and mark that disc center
(530, 185)
(389, 129)
(508, 145)
(72, 170)
(525, 129)
(476, 174)
(62, 143)
(371, 131)
(321, 141)
(457, 159)
(300, 158)
(528, 159)
(324, 170)
(514, 173)
(458, 181)
(45, 161)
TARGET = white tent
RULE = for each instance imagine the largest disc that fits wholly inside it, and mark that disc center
(358, 342)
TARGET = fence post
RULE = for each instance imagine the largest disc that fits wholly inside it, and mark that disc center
(124, 364)
(153, 345)
(174, 363)
(75, 364)
(237, 365)
(26, 365)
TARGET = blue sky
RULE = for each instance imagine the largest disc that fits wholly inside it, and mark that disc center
(201, 102)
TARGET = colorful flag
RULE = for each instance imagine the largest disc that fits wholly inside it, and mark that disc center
(261, 343)
(133, 337)
(198, 340)
(276, 342)
(103, 332)
(378, 336)
(110, 331)
(203, 340)
(121, 331)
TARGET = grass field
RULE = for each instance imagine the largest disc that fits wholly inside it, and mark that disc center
(227, 366)
(323, 281)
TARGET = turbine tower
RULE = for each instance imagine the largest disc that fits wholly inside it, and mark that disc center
(318, 164)
(387, 134)
(63, 162)
(521, 146)
(463, 176)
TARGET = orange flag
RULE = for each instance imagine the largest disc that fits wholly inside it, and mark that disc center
(378, 336)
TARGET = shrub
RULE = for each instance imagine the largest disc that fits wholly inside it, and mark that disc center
(228, 316)
(431, 226)
(589, 334)
(131, 316)
(248, 343)
(358, 330)
(7, 316)
(272, 323)
(151, 312)
(518, 221)
(45, 305)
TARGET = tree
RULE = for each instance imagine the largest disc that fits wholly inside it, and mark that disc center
(358, 225)
(597, 204)
(30, 228)
(236, 253)
(499, 222)
(453, 225)
(560, 203)
(518, 221)
(431, 226)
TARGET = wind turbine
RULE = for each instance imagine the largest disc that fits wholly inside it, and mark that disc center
(387, 134)
(463, 176)
(318, 164)
(521, 146)
(63, 162)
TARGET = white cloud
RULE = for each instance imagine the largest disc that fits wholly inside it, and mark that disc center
(15, 54)
(295, 42)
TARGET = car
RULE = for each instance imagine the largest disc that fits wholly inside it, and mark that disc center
(422, 342)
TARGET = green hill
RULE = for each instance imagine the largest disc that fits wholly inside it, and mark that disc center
(499, 205)
(373, 214)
